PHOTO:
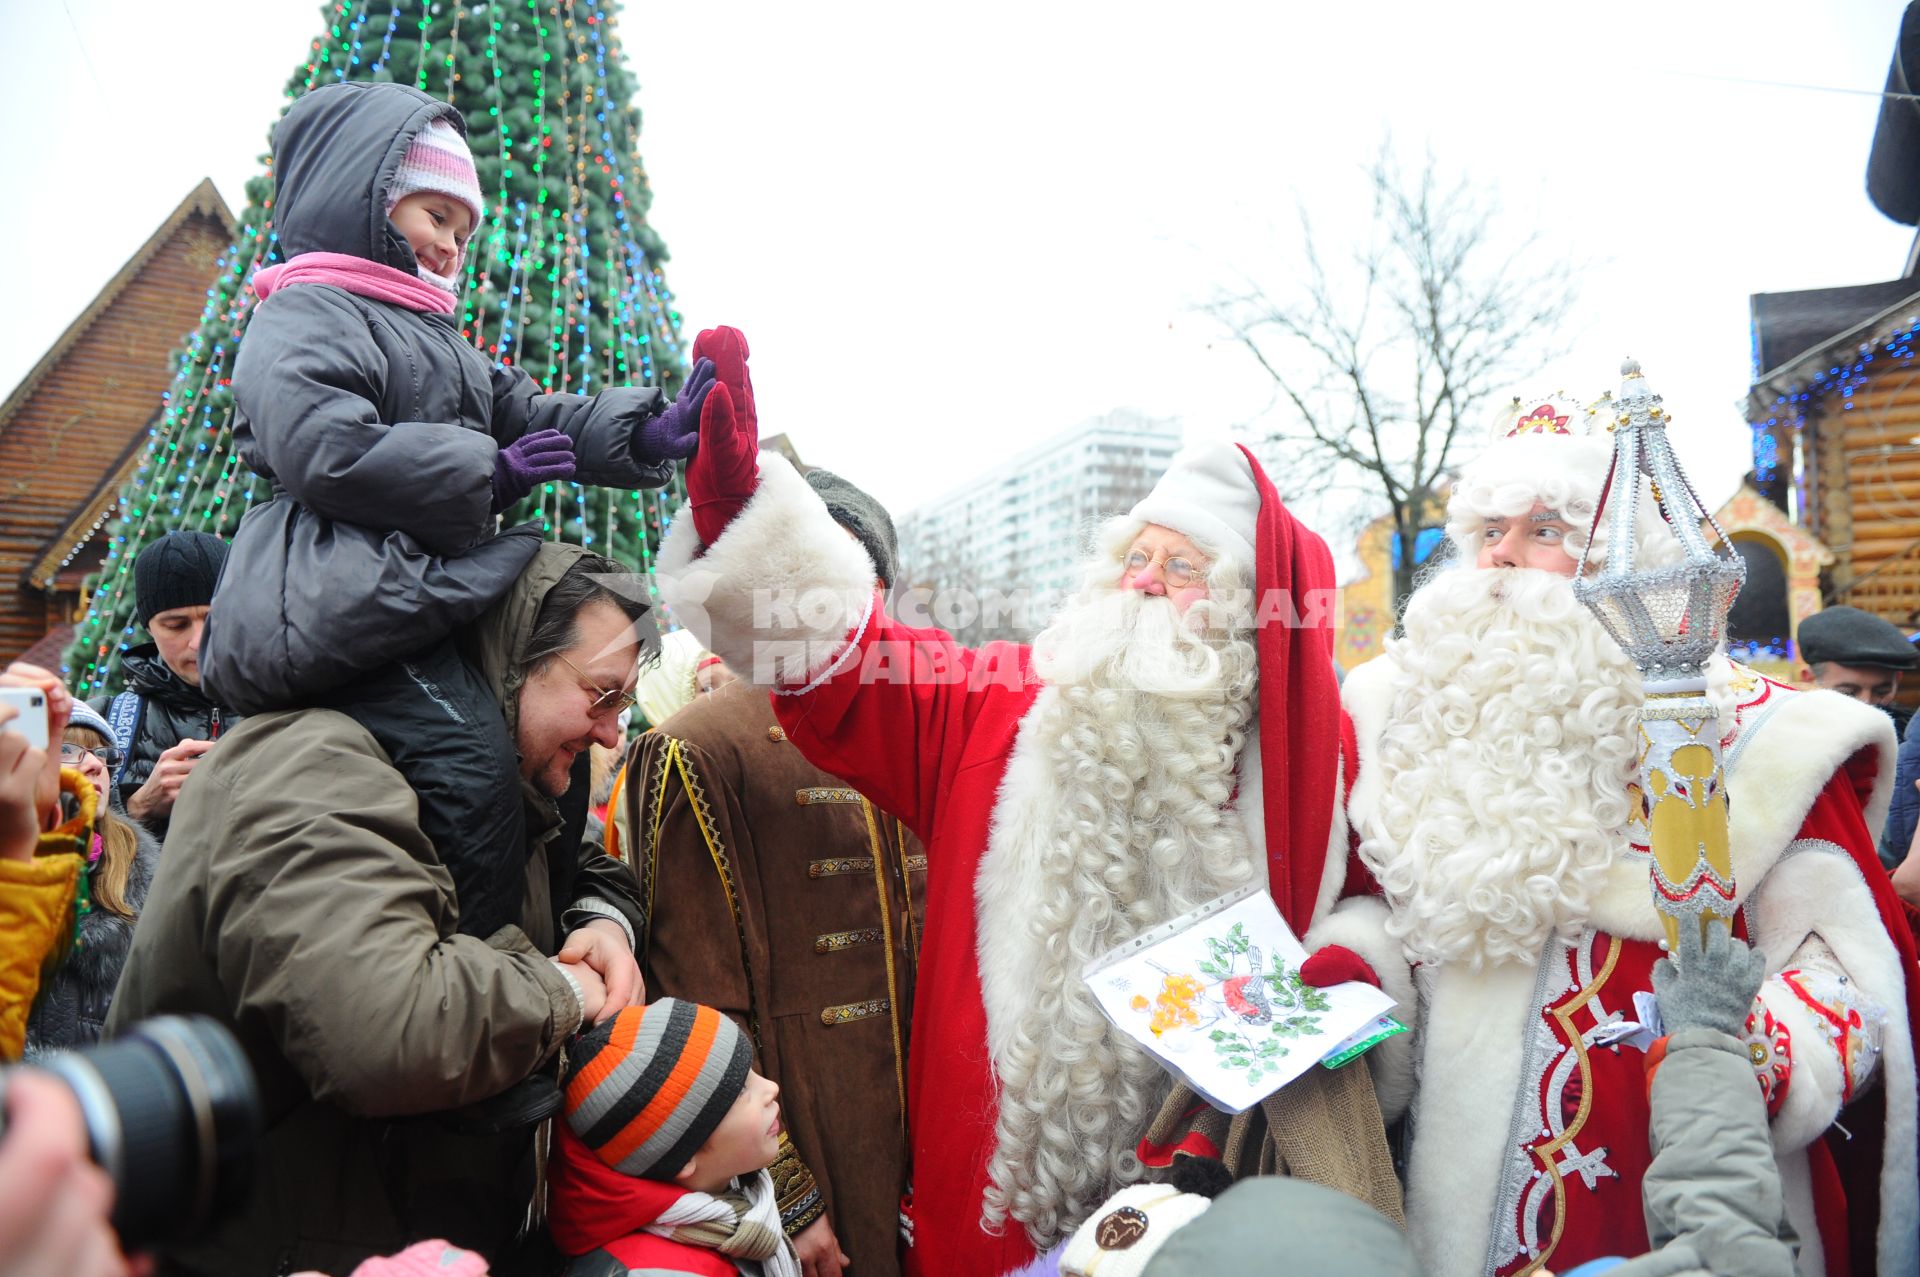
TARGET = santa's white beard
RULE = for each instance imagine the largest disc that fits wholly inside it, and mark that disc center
(1114, 819)
(1505, 759)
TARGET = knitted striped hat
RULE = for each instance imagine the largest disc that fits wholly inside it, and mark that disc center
(438, 160)
(647, 1088)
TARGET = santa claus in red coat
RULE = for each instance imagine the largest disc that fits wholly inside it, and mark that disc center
(1496, 801)
(1156, 747)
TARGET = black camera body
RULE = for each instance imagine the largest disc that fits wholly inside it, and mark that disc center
(173, 1117)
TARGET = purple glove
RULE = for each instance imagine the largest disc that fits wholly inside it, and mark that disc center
(528, 461)
(673, 435)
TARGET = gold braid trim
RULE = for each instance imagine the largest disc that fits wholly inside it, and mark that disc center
(1544, 1153)
(794, 1190)
(645, 858)
(886, 931)
(703, 817)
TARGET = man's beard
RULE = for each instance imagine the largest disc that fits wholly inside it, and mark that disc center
(1505, 762)
(1112, 820)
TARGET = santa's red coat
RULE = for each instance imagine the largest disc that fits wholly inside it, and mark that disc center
(927, 729)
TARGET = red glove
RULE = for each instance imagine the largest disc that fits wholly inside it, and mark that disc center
(1336, 964)
(724, 470)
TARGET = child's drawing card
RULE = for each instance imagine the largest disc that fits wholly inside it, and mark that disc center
(1216, 997)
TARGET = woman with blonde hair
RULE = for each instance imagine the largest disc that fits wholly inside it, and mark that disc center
(121, 859)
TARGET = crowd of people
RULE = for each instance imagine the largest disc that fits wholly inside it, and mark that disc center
(790, 982)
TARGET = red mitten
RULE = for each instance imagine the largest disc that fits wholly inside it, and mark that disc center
(724, 470)
(1336, 964)
(727, 347)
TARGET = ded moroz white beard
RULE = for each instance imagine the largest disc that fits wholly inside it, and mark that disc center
(1506, 758)
(1113, 818)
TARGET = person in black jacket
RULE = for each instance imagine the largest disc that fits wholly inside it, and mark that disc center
(164, 723)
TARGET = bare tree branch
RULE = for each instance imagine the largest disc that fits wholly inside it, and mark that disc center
(1383, 368)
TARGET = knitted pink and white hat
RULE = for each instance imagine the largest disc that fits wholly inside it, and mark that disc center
(438, 160)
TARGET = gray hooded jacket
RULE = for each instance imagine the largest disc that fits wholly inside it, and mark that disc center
(377, 427)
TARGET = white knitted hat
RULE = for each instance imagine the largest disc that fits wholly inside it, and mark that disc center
(1125, 1232)
(1208, 494)
(438, 160)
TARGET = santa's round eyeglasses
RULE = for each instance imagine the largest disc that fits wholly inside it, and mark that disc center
(1177, 570)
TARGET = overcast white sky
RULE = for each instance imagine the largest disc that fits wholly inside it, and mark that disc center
(950, 232)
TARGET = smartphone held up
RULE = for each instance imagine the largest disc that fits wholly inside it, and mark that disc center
(29, 714)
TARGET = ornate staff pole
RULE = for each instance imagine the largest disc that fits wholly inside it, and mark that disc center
(1669, 620)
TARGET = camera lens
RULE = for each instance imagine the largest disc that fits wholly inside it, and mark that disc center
(173, 1117)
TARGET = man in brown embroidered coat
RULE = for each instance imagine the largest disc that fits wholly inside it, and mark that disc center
(784, 898)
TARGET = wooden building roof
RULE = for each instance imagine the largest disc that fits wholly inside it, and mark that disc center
(76, 426)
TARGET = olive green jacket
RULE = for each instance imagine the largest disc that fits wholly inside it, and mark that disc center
(300, 905)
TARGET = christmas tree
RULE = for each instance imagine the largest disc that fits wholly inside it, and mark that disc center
(563, 280)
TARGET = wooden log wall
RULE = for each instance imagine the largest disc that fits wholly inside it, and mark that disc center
(1867, 476)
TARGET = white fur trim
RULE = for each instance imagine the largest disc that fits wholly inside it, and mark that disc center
(1359, 923)
(1368, 697)
(1333, 873)
(1473, 1048)
(1813, 1088)
(1007, 882)
(1816, 889)
(778, 594)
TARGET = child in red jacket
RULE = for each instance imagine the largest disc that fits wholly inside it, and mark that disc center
(660, 1166)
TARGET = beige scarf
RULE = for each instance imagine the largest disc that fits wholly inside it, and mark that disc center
(744, 1224)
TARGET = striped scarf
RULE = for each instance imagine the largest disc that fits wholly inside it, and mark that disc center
(744, 1224)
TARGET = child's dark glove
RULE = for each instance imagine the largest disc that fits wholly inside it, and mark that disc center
(1714, 984)
(725, 471)
(673, 435)
(541, 457)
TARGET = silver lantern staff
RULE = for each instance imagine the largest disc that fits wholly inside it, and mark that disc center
(1669, 619)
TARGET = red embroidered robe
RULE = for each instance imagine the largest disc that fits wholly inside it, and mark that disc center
(1530, 1132)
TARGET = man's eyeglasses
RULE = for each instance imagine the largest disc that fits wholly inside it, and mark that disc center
(76, 754)
(605, 703)
(1178, 571)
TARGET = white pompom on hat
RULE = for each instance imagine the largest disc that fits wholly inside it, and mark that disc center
(1207, 494)
(438, 160)
(1129, 1229)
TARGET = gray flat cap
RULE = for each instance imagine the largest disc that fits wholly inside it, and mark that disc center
(1848, 636)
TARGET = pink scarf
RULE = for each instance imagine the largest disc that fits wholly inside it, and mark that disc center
(358, 276)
